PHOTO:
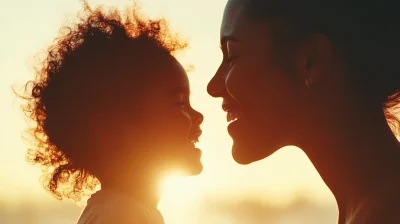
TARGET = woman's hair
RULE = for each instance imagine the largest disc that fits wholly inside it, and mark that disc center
(85, 72)
(366, 32)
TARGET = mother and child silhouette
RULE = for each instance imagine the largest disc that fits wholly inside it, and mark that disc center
(112, 107)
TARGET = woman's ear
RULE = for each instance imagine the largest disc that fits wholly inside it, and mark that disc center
(313, 59)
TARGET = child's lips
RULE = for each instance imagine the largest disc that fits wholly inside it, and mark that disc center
(194, 137)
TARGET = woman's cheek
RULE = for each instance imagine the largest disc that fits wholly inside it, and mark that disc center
(238, 81)
(231, 82)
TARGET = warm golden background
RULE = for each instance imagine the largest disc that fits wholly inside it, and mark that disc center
(283, 189)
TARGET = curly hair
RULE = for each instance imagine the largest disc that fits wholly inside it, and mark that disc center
(57, 99)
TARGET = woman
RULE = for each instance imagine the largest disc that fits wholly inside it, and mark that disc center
(112, 106)
(323, 76)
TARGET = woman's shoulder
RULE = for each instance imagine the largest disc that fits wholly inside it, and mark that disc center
(112, 208)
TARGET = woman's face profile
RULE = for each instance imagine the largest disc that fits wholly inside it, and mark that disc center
(258, 93)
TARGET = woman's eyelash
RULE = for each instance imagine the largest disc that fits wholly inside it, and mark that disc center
(230, 59)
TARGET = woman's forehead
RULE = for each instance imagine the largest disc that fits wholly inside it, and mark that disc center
(232, 19)
(236, 26)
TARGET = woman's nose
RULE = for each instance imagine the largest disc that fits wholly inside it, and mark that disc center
(216, 86)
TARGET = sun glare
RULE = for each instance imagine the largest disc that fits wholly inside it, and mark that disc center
(179, 189)
(185, 200)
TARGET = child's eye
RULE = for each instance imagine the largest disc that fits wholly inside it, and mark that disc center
(183, 101)
(183, 105)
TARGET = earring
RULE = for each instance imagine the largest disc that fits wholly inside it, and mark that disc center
(309, 82)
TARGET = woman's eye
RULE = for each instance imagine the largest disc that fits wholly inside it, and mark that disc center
(231, 60)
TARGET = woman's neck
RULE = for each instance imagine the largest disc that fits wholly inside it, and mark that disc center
(354, 156)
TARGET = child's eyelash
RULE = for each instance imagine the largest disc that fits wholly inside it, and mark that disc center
(183, 104)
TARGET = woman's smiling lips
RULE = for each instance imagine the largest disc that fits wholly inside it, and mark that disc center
(233, 111)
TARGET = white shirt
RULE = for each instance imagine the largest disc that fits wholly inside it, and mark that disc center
(106, 206)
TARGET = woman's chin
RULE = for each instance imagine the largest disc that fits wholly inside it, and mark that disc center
(241, 157)
(245, 155)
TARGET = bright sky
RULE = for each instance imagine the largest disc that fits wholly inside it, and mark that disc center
(27, 27)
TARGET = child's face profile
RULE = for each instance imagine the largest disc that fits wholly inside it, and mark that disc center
(158, 122)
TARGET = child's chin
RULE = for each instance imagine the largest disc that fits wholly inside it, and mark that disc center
(197, 170)
(193, 168)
